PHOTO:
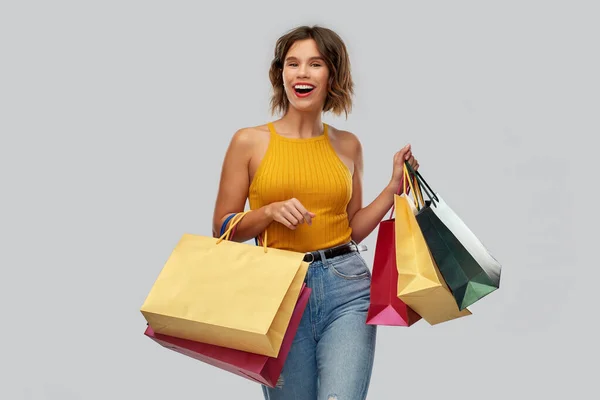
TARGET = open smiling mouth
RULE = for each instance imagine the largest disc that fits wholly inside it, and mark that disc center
(303, 90)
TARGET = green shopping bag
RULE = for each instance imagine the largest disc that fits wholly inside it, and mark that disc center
(467, 266)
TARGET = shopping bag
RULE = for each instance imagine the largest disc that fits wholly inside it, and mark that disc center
(258, 368)
(469, 269)
(420, 284)
(385, 307)
(225, 293)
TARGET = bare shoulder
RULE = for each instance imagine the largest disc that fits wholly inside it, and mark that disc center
(250, 136)
(345, 140)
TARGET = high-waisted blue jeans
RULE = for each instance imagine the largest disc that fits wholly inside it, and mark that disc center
(333, 351)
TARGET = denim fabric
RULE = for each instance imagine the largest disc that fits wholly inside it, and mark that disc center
(333, 350)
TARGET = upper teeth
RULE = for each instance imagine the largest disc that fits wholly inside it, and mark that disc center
(303, 87)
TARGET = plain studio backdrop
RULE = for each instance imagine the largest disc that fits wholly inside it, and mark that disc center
(114, 119)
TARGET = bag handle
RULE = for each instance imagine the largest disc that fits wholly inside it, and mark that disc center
(409, 184)
(235, 220)
(424, 185)
(417, 190)
(226, 222)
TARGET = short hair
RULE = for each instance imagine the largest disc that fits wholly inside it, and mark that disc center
(333, 50)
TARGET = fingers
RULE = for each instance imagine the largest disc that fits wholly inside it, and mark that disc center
(288, 219)
(296, 215)
(306, 215)
(292, 213)
(403, 155)
(413, 163)
(405, 152)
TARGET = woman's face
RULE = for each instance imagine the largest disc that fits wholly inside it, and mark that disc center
(305, 76)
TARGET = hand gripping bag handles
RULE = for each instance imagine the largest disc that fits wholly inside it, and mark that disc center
(225, 293)
(420, 284)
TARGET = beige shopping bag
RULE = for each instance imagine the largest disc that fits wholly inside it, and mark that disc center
(225, 293)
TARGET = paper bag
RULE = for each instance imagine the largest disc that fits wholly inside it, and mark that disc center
(468, 267)
(225, 293)
(258, 368)
(420, 284)
(385, 307)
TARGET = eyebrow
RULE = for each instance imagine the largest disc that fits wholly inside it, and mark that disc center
(310, 59)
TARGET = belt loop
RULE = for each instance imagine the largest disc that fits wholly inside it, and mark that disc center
(324, 260)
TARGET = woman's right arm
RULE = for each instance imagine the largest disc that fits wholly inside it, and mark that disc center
(233, 190)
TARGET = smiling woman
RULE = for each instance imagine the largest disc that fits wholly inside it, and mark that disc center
(324, 53)
(303, 180)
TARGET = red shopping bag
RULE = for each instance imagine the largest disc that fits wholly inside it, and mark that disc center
(385, 307)
(259, 368)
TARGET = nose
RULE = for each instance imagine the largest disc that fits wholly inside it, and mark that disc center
(303, 71)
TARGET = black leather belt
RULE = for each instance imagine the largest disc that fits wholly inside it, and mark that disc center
(334, 252)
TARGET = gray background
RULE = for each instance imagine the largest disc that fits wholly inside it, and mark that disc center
(115, 117)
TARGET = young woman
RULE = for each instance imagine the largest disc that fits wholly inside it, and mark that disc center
(303, 180)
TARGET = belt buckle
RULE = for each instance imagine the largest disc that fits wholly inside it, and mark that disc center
(359, 247)
(312, 257)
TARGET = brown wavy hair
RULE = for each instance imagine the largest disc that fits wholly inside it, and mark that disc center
(332, 48)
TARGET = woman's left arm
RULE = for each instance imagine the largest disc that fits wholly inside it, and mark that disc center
(363, 220)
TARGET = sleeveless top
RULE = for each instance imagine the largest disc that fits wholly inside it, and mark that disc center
(311, 171)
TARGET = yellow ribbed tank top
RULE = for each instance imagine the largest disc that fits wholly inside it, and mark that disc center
(310, 171)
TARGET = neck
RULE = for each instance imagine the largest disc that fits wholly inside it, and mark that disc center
(301, 124)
